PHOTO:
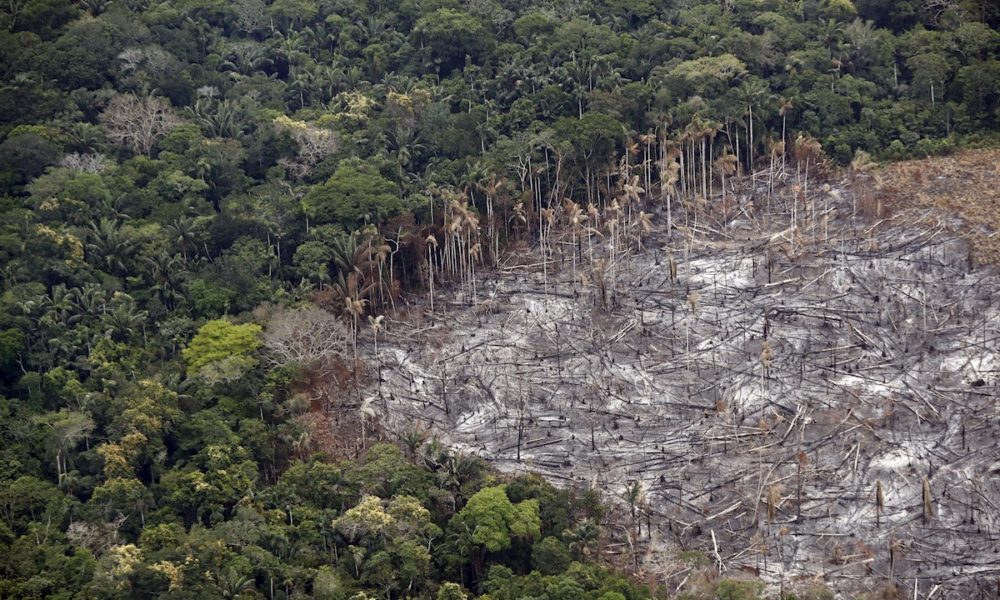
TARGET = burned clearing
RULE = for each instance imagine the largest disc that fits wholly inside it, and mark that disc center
(793, 388)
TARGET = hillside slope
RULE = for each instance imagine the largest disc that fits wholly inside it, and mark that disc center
(764, 398)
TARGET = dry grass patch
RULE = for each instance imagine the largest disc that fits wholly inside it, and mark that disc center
(965, 185)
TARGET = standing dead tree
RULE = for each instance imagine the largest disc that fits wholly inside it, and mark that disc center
(138, 122)
(831, 370)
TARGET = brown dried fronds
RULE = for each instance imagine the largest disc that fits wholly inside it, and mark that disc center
(693, 298)
(766, 355)
(773, 501)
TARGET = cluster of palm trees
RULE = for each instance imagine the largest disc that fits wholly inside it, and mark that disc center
(470, 223)
(460, 252)
(366, 278)
(74, 320)
(597, 237)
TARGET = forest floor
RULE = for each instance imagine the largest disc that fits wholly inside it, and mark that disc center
(810, 401)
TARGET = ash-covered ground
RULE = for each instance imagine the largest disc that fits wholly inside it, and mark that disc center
(765, 397)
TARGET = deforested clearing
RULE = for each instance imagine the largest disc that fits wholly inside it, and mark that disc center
(807, 399)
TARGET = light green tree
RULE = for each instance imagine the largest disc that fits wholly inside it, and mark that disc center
(355, 195)
(493, 521)
(451, 591)
(222, 350)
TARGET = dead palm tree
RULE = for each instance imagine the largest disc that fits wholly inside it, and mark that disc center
(432, 245)
(704, 132)
(354, 307)
(726, 166)
(670, 171)
(577, 219)
(861, 167)
(631, 193)
(613, 223)
(776, 149)
(806, 150)
(645, 227)
(599, 275)
(786, 106)
(548, 217)
(491, 188)
(463, 251)
(379, 251)
(595, 217)
(648, 140)
(377, 325)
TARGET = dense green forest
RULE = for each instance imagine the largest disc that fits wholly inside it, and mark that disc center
(207, 206)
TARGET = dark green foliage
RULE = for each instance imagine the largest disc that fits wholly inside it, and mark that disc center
(355, 195)
(550, 556)
(732, 589)
(24, 157)
(452, 35)
(294, 152)
(11, 347)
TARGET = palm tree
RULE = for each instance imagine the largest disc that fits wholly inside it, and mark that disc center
(111, 244)
(683, 144)
(670, 171)
(387, 287)
(645, 226)
(594, 216)
(577, 221)
(630, 191)
(218, 119)
(432, 245)
(123, 319)
(354, 307)
(633, 191)
(91, 299)
(806, 149)
(166, 273)
(85, 138)
(635, 495)
(67, 429)
(862, 43)
(363, 255)
(245, 58)
(648, 140)
(726, 166)
(583, 538)
(545, 227)
(786, 106)
(776, 148)
(751, 91)
(707, 135)
(831, 32)
(461, 240)
(59, 306)
(377, 325)
(861, 166)
(233, 584)
(598, 272)
(113, 208)
(413, 438)
(184, 233)
(491, 186)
